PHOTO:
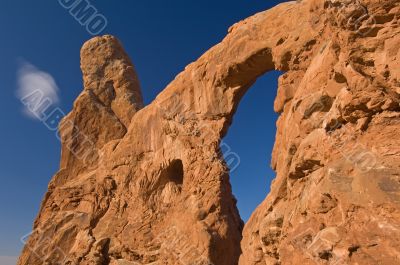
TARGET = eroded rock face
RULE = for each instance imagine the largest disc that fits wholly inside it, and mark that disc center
(155, 189)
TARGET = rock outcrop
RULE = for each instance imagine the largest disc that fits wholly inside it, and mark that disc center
(152, 187)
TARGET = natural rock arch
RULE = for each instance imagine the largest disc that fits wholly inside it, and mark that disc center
(112, 209)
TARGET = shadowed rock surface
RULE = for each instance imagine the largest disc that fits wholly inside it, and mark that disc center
(147, 185)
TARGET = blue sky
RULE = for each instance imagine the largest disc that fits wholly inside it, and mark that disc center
(161, 37)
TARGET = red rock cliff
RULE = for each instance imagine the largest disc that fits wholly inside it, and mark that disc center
(153, 188)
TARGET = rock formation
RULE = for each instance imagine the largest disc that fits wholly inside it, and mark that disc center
(148, 185)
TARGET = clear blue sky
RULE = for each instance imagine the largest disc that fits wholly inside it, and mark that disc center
(161, 37)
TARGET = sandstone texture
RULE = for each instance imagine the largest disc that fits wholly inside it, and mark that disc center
(148, 185)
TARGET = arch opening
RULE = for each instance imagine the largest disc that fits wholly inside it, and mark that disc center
(247, 147)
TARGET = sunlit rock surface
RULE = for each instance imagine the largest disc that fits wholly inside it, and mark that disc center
(148, 185)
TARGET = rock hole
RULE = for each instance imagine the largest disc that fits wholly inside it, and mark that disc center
(353, 249)
(325, 255)
(171, 180)
(172, 173)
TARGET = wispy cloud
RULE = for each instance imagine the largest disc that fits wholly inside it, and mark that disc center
(8, 260)
(37, 90)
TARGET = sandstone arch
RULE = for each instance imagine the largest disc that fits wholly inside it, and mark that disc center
(113, 210)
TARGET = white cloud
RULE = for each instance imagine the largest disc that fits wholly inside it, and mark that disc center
(37, 90)
(8, 260)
